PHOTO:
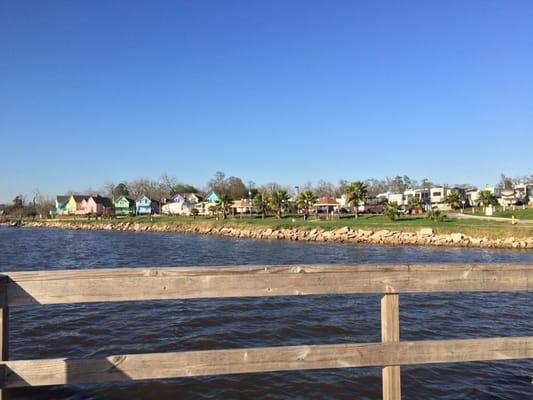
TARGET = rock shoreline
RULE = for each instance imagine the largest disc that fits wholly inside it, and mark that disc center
(422, 237)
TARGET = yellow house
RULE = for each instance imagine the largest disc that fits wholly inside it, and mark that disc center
(74, 203)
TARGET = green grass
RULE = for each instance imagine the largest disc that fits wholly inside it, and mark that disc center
(472, 227)
(519, 212)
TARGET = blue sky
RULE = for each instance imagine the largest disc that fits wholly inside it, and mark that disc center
(286, 91)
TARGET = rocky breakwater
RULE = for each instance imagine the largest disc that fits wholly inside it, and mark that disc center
(422, 237)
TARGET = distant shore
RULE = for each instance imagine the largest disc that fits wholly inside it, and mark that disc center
(395, 234)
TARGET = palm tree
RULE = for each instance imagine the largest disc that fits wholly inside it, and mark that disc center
(415, 203)
(392, 210)
(261, 203)
(453, 200)
(279, 200)
(355, 194)
(224, 205)
(306, 200)
(486, 198)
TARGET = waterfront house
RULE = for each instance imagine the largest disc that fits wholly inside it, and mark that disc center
(524, 192)
(326, 205)
(96, 205)
(193, 198)
(178, 205)
(207, 204)
(124, 206)
(145, 206)
(437, 194)
(74, 204)
(61, 205)
(507, 198)
(422, 194)
(243, 206)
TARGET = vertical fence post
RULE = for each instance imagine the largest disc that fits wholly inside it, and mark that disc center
(4, 329)
(390, 332)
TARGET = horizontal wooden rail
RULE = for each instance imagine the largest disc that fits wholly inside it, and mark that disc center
(264, 359)
(130, 284)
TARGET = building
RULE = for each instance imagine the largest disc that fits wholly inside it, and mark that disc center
(438, 194)
(124, 206)
(507, 198)
(96, 205)
(422, 194)
(243, 206)
(326, 205)
(61, 205)
(177, 205)
(524, 192)
(146, 206)
(74, 204)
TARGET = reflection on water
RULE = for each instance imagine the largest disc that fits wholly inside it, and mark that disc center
(83, 330)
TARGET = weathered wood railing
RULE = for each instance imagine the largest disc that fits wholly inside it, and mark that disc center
(127, 284)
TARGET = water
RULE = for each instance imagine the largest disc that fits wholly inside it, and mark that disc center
(83, 330)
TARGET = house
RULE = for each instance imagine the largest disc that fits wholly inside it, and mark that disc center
(61, 205)
(207, 204)
(326, 205)
(97, 205)
(507, 197)
(472, 197)
(177, 205)
(243, 206)
(524, 192)
(438, 194)
(146, 206)
(193, 198)
(74, 204)
(124, 206)
(422, 194)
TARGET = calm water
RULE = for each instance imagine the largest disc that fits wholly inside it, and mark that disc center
(83, 330)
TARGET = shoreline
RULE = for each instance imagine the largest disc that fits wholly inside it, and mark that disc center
(421, 237)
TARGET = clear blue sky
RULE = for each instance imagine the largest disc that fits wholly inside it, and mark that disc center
(286, 91)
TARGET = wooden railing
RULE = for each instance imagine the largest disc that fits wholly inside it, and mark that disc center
(127, 284)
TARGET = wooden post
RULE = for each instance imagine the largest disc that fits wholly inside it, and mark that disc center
(4, 328)
(390, 332)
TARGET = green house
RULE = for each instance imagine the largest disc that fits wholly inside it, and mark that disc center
(124, 206)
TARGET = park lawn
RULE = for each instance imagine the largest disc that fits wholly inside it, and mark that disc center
(471, 227)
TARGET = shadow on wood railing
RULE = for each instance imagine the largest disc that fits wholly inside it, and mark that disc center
(129, 284)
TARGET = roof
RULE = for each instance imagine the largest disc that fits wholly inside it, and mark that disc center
(326, 201)
(104, 201)
(79, 197)
(62, 198)
(241, 203)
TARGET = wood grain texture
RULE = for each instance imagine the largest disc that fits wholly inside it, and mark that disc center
(266, 359)
(130, 284)
(390, 333)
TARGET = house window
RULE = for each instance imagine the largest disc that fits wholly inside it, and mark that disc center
(436, 194)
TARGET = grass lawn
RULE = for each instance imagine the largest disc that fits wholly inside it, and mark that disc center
(472, 227)
(519, 213)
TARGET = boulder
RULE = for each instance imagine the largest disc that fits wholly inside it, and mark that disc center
(425, 231)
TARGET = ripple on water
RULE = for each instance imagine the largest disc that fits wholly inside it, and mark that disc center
(99, 329)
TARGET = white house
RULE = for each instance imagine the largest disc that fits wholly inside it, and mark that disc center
(438, 194)
(178, 205)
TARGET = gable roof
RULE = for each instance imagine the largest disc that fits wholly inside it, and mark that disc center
(104, 201)
(326, 201)
(62, 198)
(78, 198)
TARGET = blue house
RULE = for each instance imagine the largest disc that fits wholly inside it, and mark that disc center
(146, 206)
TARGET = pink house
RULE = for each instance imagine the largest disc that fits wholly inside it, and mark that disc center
(96, 205)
